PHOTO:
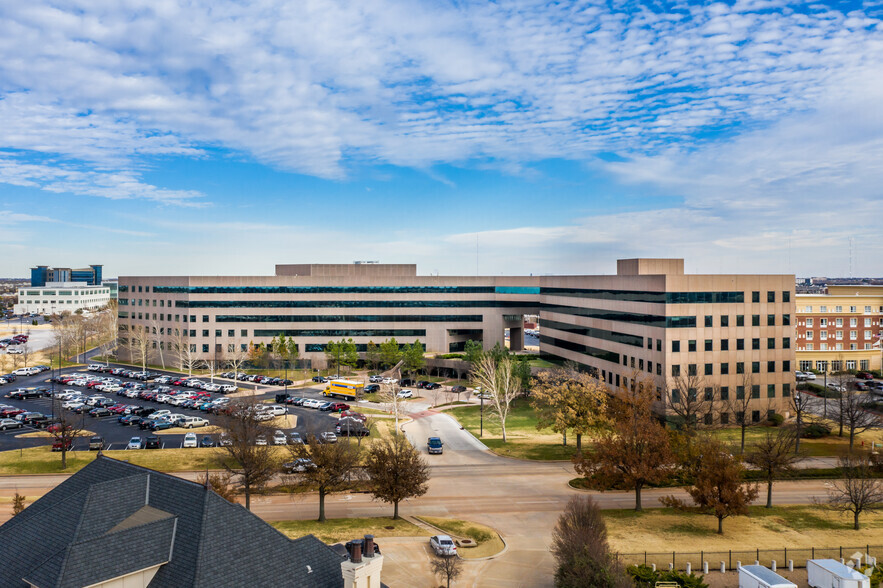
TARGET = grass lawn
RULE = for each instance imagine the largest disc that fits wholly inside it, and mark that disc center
(665, 530)
(343, 530)
(42, 460)
(831, 446)
(487, 540)
(523, 438)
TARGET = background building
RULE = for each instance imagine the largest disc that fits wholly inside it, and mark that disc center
(43, 275)
(840, 330)
(55, 298)
(650, 320)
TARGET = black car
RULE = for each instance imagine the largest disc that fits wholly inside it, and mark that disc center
(407, 382)
(143, 411)
(152, 442)
(207, 441)
(99, 412)
(320, 379)
(351, 428)
(458, 389)
(280, 398)
(370, 388)
(34, 419)
(431, 386)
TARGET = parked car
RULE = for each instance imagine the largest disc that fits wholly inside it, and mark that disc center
(371, 389)
(279, 438)
(260, 440)
(442, 545)
(405, 394)
(298, 466)
(96, 443)
(339, 407)
(353, 415)
(327, 437)
(224, 440)
(431, 386)
(152, 442)
(864, 376)
(434, 445)
(294, 438)
(9, 424)
(351, 428)
(276, 410)
(190, 440)
(207, 441)
(135, 443)
(458, 389)
(375, 379)
(67, 444)
(861, 386)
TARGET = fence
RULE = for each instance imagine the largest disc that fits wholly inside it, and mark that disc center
(764, 556)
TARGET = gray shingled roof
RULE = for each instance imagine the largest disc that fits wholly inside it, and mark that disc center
(113, 518)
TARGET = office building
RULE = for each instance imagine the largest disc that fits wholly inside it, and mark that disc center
(59, 297)
(43, 275)
(649, 320)
(840, 330)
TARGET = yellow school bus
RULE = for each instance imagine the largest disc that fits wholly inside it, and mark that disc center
(346, 389)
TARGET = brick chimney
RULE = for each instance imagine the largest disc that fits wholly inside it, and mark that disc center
(359, 571)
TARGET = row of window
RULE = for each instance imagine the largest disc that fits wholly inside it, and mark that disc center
(724, 368)
(823, 322)
(724, 344)
(654, 297)
(710, 394)
(351, 318)
(347, 303)
(649, 320)
(324, 289)
(836, 365)
(824, 335)
(838, 309)
(614, 336)
(583, 349)
(836, 347)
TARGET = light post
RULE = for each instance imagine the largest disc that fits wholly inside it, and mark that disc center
(481, 412)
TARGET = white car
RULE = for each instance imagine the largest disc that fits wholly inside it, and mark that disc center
(212, 387)
(72, 404)
(228, 388)
(405, 394)
(27, 371)
(135, 443)
(94, 367)
(443, 545)
(279, 438)
(15, 351)
(160, 414)
(261, 440)
(190, 440)
(263, 416)
(93, 400)
(276, 410)
(389, 381)
(312, 403)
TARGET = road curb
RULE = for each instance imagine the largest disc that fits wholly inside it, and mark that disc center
(421, 523)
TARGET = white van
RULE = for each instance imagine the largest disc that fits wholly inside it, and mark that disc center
(189, 440)
(762, 577)
(830, 573)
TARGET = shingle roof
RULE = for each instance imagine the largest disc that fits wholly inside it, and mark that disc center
(113, 518)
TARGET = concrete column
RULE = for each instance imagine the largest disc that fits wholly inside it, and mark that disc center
(723, 567)
(773, 566)
(516, 339)
(790, 565)
(705, 567)
(689, 567)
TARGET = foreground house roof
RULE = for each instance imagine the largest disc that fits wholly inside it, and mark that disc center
(112, 519)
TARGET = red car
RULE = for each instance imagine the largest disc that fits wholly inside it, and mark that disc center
(864, 376)
(8, 413)
(117, 408)
(353, 415)
(56, 445)
(339, 407)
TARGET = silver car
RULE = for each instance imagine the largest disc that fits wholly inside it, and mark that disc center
(9, 424)
(443, 545)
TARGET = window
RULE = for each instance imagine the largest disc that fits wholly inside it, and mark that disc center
(867, 334)
(853, 334)
(771, 391)
(205, 348)
(691, 345)
(853, 347)
(822, 347)
(649, 343)
(740, 367)
(709, 345)
(805, 365)
(770, 296)
(659, 345)
(838, 309)
(641, 364)
(838, 322)
(709, 419)
(755, 343)
(770, 320)
(770, 342)
(823, 309)
(808, 309)
(864, 364)
(192, 348)
(675, 396)
(675, 346)
(770, 367)
(231, 332)
(867, 322)
(823, 335)
(691, 369)
(230, 347)
(755, 320)
(786, 390)
(850, 364)
(823, 323)
(740, 320)
(839, 335)
(740, 392)
(725, 369)
(755, 367)
(709, 320)
(244, 333)
(658, 369)
(786, 365)
(755, 416)
(243, 347)
(755, 390)
(740, 344)
(838, 346)
(786, 319)
(709, 369)
(725, 344)
(725, 321)
(709, 393)
(809, 322)
(217, 332)
(867, 309)
(725, 418)
(192, 318)
(786, 296)
(205, 332)
(725, 393)
(205, 318)
(852, 309)
(836, 365)
(193, 334)
(755, 297)
(675, 370)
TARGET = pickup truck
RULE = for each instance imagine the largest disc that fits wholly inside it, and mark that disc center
(23, 393)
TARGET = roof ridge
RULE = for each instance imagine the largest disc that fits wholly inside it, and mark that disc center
(201, 545)
(146, 470)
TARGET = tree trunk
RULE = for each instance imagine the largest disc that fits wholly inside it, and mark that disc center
(503, 426)
(720, 525)
(638, 506)
(769, 493)
(63, 455)
(797, 438)
(395, 512)
(851, 438)
(579, 443)
(321, 505)
(855, 515)
(247, 488)
(742, 448)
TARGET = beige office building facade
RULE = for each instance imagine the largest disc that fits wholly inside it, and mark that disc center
(649, 320)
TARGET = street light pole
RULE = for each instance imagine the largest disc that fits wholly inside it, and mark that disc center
(481, 412)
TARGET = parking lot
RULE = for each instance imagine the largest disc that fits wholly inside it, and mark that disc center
(116, 435)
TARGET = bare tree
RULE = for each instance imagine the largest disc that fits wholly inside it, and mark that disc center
(851, 413)
(800, 403)
(253, 464)
(108, 327)
(237, 358)
(740, 402)
(157, 332)
(333, 467)
(221, 483)
(497, 377)
(844, 382)
(447, 568)
(774, 456)
(185, 352)
(65, 430)
(857, 490)
(687, 399)
(396, 471)
(139, 345)
(389, 393)
(18, 503)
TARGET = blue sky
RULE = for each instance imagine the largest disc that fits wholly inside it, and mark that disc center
(509, 137)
